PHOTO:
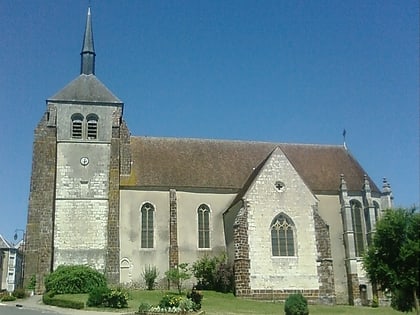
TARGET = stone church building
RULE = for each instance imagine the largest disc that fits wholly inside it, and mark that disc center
(290, 217)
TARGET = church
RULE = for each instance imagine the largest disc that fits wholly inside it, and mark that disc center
(289, 217)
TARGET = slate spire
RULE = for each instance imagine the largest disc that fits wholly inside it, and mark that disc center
(88, 50)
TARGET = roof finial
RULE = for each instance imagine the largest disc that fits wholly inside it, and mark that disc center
(88, 50)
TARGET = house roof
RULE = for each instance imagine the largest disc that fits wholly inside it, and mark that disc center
(4, 243)
(227, 165)
(86, 88)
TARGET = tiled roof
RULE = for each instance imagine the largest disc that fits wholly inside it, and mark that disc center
(87, 88)
(226, 165)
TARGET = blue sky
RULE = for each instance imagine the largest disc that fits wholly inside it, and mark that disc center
(280, 71)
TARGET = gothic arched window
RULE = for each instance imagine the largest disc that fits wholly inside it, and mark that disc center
(147, 216)
(356, 216)
(92, 126)
(203, 213)
(77, 126)
(282, 236)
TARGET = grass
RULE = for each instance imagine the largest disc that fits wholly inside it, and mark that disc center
(215, 303)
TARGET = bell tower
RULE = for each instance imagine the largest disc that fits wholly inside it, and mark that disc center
(73, 215)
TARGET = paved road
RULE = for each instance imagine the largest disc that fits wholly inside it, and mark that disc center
(13, 310)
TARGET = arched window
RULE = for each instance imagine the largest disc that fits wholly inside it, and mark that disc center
(203, 213)
(356, 215)
(77, 126)
(377, 209)
(147, 214)
(92, 126)
(282, 236)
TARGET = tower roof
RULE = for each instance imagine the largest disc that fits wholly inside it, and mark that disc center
(86, 87)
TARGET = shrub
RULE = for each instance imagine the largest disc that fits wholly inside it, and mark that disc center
(19, 293)
(169, 301)
(144, 307)
(117, 298)
(196, 297)
(7, 297)
(296, 304)
(105, 297)
(149, 275)
(375, 302)
(32, 283)
(74, 279)
(224, 278)
(204, 270)
(97, 297)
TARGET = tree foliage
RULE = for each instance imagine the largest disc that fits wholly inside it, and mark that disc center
(392, 261)
(178, 275)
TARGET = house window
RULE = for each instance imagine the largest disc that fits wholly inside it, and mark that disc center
(203, 213)
(282, 236)
(147, 213)
(92, 126)
(77, 126)
(356, 215)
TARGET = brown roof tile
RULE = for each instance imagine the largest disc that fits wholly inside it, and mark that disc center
(226, 165)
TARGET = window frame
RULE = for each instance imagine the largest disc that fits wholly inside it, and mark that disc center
(77, 120)
(358, 226)
(203, 226)
(147, 225)
(283, 245)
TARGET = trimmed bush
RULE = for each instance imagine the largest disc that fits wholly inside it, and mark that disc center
(7, 298)
(49, 298)
(74, 280)
(296, 304)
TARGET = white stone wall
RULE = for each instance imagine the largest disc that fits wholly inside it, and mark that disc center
(264, 203)
(188, 204)
(80, 234)
(133, 258)
(81, 206)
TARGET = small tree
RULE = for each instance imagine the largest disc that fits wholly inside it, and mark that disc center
(149, 275)
(393, 260)
(178, 275)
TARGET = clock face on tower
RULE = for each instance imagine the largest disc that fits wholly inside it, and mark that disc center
(84, 161)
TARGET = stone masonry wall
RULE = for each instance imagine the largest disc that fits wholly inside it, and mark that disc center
(39, 230)
(112, 269)
(241, 262)
(324, 261)
(173, 230)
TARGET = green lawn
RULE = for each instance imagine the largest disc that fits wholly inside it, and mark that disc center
(218, 303)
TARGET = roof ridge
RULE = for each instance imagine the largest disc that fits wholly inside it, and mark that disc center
(238, 141)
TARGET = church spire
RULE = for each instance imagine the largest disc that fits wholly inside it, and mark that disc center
(88, 50)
